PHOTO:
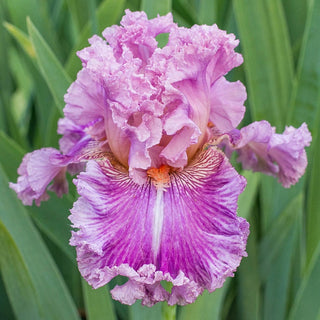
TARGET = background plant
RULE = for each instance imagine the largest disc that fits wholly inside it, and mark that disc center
(280, 41)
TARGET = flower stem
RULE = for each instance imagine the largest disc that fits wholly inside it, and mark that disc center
(169, 312)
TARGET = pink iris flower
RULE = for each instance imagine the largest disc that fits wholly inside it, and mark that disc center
(148, 131)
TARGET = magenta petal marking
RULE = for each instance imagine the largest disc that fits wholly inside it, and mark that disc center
(196, 241)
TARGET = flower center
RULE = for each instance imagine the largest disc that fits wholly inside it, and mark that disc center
(160, 176)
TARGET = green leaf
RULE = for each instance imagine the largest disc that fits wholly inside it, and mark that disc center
(52, 71)
(45, 109)
(22, 39)
(108, 13)
(140, 312)
(248, 277)
(210, 12)
(4, 47)
(313, 199)
(52, 219)
(278, 233)
(206, 307)
(38, 12)
(296, 14)
(79, 16)
(98, 303)
(7, 123)
(207, 12)
(247, 197)
(275, 199)
(305, 97)
(18, 282)
(277, 286)
(10, 156)
(268, 58)
(6, 311)
(306, 304)
(154, 7)
(54, 299)
(42, 93)
(184, 13)
(93, 16)
(20, 102)
(5, 78)
(275, 259)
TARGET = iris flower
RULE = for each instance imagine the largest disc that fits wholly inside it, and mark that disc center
(148, 131)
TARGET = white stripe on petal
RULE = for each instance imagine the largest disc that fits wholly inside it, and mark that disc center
(157, 222)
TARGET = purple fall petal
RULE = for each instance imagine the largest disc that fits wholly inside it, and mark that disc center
(187, 233)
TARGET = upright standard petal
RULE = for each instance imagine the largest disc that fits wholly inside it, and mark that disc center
(196, 61)
(153, 104)
(180, 226)
(136, 38)
(227, 104)
(86, 104)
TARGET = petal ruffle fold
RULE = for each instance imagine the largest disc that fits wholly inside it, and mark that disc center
(280, 155)
(36, 171)
(130, 90)
(40, 167)
(190, 236)
(227, 104)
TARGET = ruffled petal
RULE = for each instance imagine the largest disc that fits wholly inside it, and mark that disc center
(192, 67)
(60, 183)
(201, 50)
(36, 171)
(253, 147)
(86, 103)
(187, 233)
(227, 104)
(287, 150)
(148, 101)
(184, 132)
(281, 155)
(71, 132)
(136, 37)
(40, 167)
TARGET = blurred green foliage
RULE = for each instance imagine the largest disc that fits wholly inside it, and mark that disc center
(280, 41)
